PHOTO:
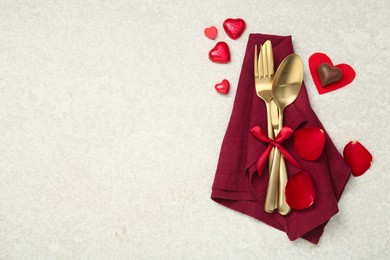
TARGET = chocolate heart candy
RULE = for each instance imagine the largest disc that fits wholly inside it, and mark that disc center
(234, 27)
(220, 53)
(223, 87)
(328, 74)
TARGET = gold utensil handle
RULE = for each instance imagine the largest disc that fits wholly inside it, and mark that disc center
(269, 204)
(275, 127)
(270, 131)
(283, 207)
(270, 160)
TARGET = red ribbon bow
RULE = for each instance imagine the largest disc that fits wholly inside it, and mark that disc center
(284, 134)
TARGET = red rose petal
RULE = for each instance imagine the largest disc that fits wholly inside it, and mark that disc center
(211, 32)
(234, 27)
(309, 142)
(223, 87)
(357, 157)
(220, 53)
(300, 192)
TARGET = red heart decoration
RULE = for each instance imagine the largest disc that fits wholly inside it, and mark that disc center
(300, 191)
(309, 142)
(211, 32)
(357, 157)
(223, 87)
(347, 71)
(220, 53)
(234, 27)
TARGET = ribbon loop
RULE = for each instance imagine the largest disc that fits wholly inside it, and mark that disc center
(284, 134)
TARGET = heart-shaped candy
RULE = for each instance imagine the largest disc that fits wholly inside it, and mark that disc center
(211, 32)
(223, 87)
(348, 74)
(220, 53)
(328, 74)
(234, 27)
(309, 142)
(357, 157)
(300, 191)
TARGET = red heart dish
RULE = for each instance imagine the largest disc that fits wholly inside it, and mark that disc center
(211, 32)
(234, 27)
(220, 53)
(223, 87)
(348, 73)
(300, 191)
(357, 157)
(309, 142)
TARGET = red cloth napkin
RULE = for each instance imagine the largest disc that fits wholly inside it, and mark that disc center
(237, 184)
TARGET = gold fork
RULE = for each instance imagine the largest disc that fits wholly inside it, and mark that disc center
(264, 74)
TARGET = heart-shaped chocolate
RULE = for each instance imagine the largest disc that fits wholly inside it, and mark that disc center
(234, 27)
(328, 74)
(223, 87)
(220, 53)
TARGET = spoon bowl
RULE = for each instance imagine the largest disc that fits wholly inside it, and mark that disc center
(287, 82)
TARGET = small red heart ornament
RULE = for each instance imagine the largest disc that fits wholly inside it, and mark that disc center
(357, 157)
(234, 27)
(309, 142)
(220, 53)
(223, 87)
(300, 191)
(211, 32)
(348, 73)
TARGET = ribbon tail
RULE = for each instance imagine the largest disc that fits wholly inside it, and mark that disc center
(263, 159)
(288, 156)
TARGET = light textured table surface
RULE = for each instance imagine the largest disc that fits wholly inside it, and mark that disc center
(110, 127)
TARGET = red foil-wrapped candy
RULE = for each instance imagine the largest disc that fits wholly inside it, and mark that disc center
(220, 53)
(234, 27)
(223, 87)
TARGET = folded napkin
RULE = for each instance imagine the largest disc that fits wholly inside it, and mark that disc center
(237, 184)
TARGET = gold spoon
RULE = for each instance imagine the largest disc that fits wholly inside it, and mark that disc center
(285, 89)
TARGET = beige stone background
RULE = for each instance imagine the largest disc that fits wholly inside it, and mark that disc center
(110, 127)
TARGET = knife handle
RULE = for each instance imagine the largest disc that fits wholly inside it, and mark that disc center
(272, 112)
(270, 130)
(270, 160)
(270, 198)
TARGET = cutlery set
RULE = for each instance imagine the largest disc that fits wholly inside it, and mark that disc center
(278, 90)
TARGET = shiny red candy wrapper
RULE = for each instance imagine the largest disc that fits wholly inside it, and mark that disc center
(220, 53)
(234, 27)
